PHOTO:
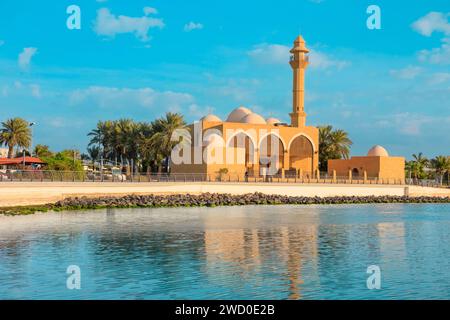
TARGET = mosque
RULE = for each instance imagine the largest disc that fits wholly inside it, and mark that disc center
(246, 145)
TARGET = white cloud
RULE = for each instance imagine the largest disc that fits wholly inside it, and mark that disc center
(25, 56)
(427, 25)
(107, 24)
(432, 22)
(150, 10)
(438, 78)
(192, 26)
(35, 90)
(279, 54)
(439, 55)
(270, 53)
(407, 123)
(408, 73)
(111, 97)
(322, 60)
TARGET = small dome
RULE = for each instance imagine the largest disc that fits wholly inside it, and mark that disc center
(377, 151)
(211, 118)
(253, 118)
(237, 114)
(272, 121)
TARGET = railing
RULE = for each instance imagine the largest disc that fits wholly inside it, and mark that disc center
(288, 177)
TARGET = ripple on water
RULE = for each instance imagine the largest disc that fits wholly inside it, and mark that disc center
(249, 252)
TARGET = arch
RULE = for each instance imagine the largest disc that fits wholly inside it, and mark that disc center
(275, 134)
(304, 135)
(249, 149)
(271, 162)
(355, 173)
(239, 131)
(301, 155)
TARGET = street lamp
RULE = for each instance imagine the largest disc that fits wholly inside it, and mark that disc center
(31, 124)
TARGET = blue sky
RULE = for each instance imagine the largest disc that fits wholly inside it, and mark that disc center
(388, 86)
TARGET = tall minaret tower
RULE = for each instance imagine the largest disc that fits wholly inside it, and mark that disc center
(299, 62)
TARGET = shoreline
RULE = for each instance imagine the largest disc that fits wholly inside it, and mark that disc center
(14, 194)
(209, 200)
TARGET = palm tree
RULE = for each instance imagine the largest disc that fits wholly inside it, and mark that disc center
(15, 132)
(161, 140)
(333, 144)
(102, 136)
(124, 133)
(93, 153)
(419, 164)
(441, 165)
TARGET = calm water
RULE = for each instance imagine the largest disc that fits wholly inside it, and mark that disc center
(254, 252)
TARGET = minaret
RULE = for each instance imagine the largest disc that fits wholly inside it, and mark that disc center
(299, 62)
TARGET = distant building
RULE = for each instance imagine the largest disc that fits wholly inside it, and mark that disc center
(21, 163)
(377, 164)
(3, 152)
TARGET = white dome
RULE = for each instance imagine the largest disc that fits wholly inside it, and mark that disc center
(377, 151)
(272, 121)
(253, 118)
(211, 118)
(237, 114)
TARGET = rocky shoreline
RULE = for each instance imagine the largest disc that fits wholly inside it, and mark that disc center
(210, 200)
(215, 199)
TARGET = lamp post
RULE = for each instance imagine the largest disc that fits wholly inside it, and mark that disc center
(31, 143)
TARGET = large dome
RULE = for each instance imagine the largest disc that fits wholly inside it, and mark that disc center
(211, 118)
(377, 151)
(272, 121)
(253, 118)
(237, 114)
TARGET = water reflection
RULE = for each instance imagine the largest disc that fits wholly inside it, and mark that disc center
(282, 252)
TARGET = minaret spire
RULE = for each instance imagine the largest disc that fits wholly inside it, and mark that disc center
(299, 61)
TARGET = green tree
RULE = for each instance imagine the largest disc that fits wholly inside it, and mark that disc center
(441, 165)
(93, 154)
(41, 151)
(333, 144)
(418, 165)
(161, 140)
(15, 132)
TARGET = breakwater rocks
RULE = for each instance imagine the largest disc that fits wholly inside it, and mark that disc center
(214, 199)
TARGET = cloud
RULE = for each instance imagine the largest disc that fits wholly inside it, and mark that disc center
(150, 10)
(107, 24)
(35, 90)
(407, 73)
(270, 53)
(407, 123)
(432, 22)
(439, 55)
(25, 56)
(321, 60)
(279, 54)
(192, 26)
(438, 78)
(111, 97)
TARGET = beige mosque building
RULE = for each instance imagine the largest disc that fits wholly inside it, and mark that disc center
(247, 146)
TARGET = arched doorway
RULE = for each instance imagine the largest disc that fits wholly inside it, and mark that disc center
(241, 151)
(271, 155)
(301, 156)
(355, 173)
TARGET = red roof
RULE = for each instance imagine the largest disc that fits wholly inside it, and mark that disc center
(19, 160)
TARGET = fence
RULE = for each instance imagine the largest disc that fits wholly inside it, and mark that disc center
(81, 176)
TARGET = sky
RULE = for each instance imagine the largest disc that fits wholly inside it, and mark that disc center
(139, 59)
